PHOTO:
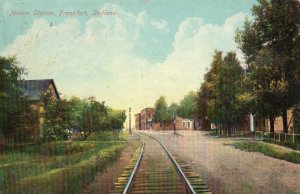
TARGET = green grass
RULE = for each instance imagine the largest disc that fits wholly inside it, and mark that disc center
(63, 165)
(294, 146)
(269, 150)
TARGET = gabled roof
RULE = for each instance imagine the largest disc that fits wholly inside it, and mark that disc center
(33, 90)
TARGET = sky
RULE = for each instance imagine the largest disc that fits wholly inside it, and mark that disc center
(128, 54)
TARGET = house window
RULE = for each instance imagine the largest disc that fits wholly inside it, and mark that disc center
(189, 125)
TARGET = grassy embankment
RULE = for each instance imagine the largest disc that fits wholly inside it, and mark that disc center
(271, 150)
(57, 167)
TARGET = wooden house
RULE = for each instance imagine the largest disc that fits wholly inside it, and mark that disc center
(35, 92)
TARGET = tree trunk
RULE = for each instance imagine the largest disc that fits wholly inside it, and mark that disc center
(203, 124)
(229, 130)
(284, 121)
(194, 122)
(271, 123)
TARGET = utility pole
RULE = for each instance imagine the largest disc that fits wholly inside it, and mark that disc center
(174, 122)
(130, 120)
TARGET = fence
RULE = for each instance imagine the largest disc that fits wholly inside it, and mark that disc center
(290, 140)
(278, 137)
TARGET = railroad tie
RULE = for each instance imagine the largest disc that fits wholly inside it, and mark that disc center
(198, 184)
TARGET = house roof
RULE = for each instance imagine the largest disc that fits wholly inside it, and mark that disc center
(33, 90)
(148, 108)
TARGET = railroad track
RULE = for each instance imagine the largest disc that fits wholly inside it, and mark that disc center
(156, 170)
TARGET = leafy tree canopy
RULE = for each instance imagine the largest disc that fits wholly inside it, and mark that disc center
(188, 106)
(271, 46)
(161, 114)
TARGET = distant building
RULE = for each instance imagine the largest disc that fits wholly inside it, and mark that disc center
(144, 121)
(278, 123)
(258, 122)
(185, 124)
(147, 118)
(180, 124)
(35, 92)
(138, 124)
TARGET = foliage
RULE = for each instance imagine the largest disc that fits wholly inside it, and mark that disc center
(296, 118)
(82, 116)
(26, 123)
(20, 122)
(15, 113)
(56, 118)
(173, 110)
(188, 106)
(220, 94)
(271, 46)
(269, 150)
(107, 136)
(161, 114)
(73, 163)
(116, 119)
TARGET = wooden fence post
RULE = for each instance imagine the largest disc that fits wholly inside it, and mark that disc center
(285, 138)
(293, 137)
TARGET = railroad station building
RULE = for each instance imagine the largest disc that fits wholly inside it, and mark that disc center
(144, 121)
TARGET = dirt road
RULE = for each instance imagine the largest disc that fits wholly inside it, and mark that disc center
(229, 170)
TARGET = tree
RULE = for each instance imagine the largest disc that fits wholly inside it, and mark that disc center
(188, 107)
(83, 115)
(274, 35)
(173, 109)
(116, 118)
(296, 118)
(202, 109)
(12, 104)
(161, 114)
(76, 117)
(218, 97)
(56, 117)
(88, 116)
(207, 95)
(99, 113)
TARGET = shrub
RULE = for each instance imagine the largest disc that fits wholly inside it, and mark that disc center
(269, 150)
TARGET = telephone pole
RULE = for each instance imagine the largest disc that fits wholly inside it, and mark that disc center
(174, 122)
(130, 120)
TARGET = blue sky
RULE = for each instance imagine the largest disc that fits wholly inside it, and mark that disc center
(149, 48)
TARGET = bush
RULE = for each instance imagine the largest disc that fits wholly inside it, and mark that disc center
(269, 150)
(55, 167)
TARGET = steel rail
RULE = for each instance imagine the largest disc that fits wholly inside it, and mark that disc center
(181, 173)
(129, 183)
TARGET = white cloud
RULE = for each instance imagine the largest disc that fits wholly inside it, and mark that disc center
(193, 48)
(161, 25)
(83, 60)
(99, 58)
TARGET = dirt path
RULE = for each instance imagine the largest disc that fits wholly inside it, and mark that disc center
(229, 170)
(103, 182)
